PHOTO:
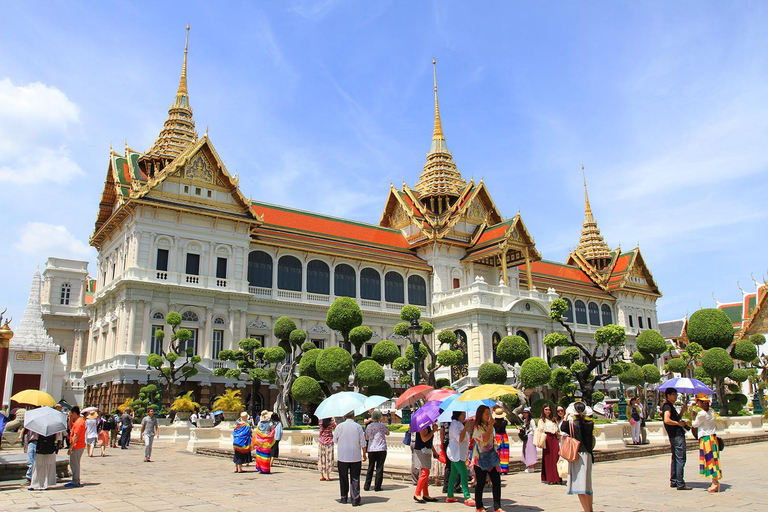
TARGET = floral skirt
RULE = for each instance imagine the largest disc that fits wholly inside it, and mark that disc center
(325, 459)
(709, 458)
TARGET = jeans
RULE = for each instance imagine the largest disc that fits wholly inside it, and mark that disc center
(459, 470)
(495, 477)
(349, 480)
(677, 467)
(31, 454)
(148, 440)
(375, 459)
(74, 464)
(125, 437)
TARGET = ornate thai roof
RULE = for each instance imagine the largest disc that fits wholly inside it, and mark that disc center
(178, 131)
(31, 333)
(565, 279)
(592, 246)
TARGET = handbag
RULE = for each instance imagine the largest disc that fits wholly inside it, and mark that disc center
(522, 435)
(570, 449)
(442, 458)
(562, 468)
(540, 439)
(488, 460)
(407, 438)
(720, 443)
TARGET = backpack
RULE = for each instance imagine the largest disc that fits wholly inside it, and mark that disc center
(46, 445)
(110, 423)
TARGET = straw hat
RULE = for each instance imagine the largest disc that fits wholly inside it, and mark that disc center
(498, 413)
(703, 397)
(244, 416)
(265, 416)
(92, 415)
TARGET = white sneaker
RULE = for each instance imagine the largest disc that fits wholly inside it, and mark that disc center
(528, 470)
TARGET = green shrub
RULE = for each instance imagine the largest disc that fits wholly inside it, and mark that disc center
(739, 375)
(534, 372)
(402, 329)
(427, 328)
(306, 389)
(402, 364)
(757, 339)
(447, 337)
(641, 358)
(716, 362)
(491, 373)
(307, 363)
(538, 405)
(744, 350)
(710, 328)
(513, 350)
(632, 376)
(566, 400)
(734, 407)
(275, 355)
(344, 315)
(423, 352)
(405, 380)
(283, 328)
(334, 364)
(369, 373)
(442, 383)
(597, 396)
(297, 337)
(410, 313)
(556, 339)
(449, 357)
(307, 346)
(700, 374)
(557, 309)
(651, 342)
(560, 377)
(651, 374)
(359, 335)
(385, 352)
(676, 365)
(381, 389)
(578, 367)
(611, 335)
(512, 400)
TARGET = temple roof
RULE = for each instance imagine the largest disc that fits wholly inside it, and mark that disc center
(565, 279)
(31, 333)
(591, 246)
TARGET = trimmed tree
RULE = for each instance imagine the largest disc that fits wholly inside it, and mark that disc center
(170, 372)
(249, 360)
(650, 345)
(343, 316)
(713, 330)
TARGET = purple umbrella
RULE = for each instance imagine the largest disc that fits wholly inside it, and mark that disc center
(425, 416)
(685, 385)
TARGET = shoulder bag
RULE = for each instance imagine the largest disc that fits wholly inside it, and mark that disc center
(540, 438)
(570, 449)
(562, 468)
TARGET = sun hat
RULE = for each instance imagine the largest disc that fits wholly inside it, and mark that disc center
(92, 415)
(703, 397)
(498, 413)
(244, 416)
(265, 416)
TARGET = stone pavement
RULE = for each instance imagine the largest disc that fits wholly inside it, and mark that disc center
(180, 480)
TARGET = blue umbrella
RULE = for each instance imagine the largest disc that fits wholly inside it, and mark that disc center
(371, 402)
(685, 385)
(425, 416)
(445, 403)
(468, 407)
(340, 404)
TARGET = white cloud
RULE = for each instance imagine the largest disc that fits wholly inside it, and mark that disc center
(41, 240)
(35, 121)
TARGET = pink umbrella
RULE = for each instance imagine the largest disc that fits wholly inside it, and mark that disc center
(438, 395)
(412, 395)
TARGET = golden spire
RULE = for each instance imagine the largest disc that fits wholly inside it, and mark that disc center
(183, 80)
(591, 243)
(438, 132)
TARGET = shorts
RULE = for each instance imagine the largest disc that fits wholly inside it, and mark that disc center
(91, 441)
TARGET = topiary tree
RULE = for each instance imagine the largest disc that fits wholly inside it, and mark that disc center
(534, 372)
(513, 351)
(650, 345)
(282, 329)
(757, 339)
(744, 350)
(170, 373)
(608, 341)
(369, 373)
(343, 316)
(335, 364)
(382, 389)
(147, 399)
(385, 352)
(442, 383)
(491, 373)
(251, 367)
(718, 365)
(597, 397)
(306, 390)
(710, 328)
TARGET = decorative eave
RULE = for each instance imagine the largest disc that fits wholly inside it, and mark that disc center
(619, 281)
(757, 323)
(514, 247)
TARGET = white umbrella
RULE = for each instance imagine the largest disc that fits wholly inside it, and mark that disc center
(45, 421)
(340, 404)
(88, 409)
(371, 403)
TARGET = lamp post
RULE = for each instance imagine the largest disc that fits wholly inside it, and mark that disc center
(622, 402)
(414, 328)
(148, 372)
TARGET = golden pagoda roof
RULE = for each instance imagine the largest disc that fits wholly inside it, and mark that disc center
(591, 246)
(178, 131)
(440, 176)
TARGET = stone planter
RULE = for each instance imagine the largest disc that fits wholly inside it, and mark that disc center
(230, 415)
(182, 416)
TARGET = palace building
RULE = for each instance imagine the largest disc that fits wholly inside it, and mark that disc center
(174, 232)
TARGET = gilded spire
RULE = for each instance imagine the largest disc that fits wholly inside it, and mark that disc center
(440, 176)
(591, 244)
(178, 132)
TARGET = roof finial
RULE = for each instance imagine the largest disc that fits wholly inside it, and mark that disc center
(591, 243)
(438, 132)
(587, 207)
(183, 80)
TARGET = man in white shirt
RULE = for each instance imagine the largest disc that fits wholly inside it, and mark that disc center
(351, 451)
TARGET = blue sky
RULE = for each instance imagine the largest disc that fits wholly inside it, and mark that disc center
(319, 105)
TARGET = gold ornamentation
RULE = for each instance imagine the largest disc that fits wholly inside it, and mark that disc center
(200, 170)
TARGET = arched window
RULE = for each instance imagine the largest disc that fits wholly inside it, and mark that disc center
(318, 277)
(393, 288)
(640, 321)
(523, 335)
(370, 284)
(289, 274)
(189, 316)
(568, 315)
(417, 291)
(631, 322)
(66, 292)
(158, 315)
(345, 281)
(650, 325)
(581, 312)
(607, 315)
(496, 339)
(259, 269)
(594, 314)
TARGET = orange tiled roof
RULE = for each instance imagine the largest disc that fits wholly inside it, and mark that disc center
(563, 278)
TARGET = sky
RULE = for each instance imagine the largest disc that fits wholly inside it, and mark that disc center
(320, 105)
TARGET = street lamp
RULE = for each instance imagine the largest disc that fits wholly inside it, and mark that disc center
(148, 372)
(414, 328)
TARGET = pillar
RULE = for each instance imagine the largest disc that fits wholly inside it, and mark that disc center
(528, 270)
(5, 342)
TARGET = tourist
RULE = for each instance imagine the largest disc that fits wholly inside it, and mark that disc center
(193, 418)
(29, 441)
(580, 470)
(367, 417)
(242, 437)
(551, 450)
(91, 431)
(444, 440)
(529, 454)
(635, 420)
(424, 449)
(149, 429)
(350, 445)
(458, 448)
(126, 424)
(389, 417)
(502, 439)
(325, 448)
(560, 416)
(675, 428)
(76, 445)
(709, 451)
(278, 426)
(114, 429)
(376, 433)
(265, 438)
(485, 459)
(44, 471)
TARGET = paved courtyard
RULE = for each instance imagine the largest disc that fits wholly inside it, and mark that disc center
(180, 480)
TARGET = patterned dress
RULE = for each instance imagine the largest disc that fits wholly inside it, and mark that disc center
(502, 443)
(709, 453)
(325, 448)
(264, 438)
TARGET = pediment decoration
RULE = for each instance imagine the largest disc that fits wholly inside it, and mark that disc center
(257, 324)
(200, 169)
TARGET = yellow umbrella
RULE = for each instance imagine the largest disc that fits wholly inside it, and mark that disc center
(34, 397)
(491, 391)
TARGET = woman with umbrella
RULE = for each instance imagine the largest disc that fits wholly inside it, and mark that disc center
(423, 449)
(47, 424)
